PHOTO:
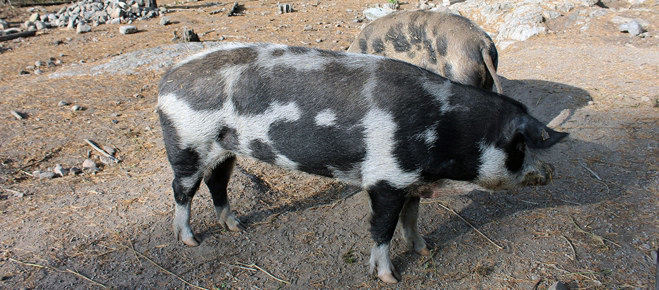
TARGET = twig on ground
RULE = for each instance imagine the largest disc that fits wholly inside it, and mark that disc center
(57, 270)
(271, 219)
(48, 156)
(590, 170)
(93, 145)
(468, 223)
(86, 278)
(574, 251)
(163, 269)
(592, 235)
(254, 266)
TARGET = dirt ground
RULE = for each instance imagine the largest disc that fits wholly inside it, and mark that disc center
(595, 226)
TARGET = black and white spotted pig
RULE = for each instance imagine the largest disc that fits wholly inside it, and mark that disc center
(448, 44)
(397, 130)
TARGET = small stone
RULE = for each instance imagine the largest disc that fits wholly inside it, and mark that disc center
(40, 25)
(44, 175)
(308, 28)
(83, 28)
(319, 40)
(558, 286)
(89, 164)
(38, 72)
(164, 21)
(23, 72)
(75, 171)
(76, 108)
(375, 13)
(63, 103)
(115, 21)
(127, 29)
(59, 170)
(110, 150)
(17, 115)
(106, 160)
(632, 27)
(37, 63)
(34, 17)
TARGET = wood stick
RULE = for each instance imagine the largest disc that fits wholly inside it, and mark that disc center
(264, 271)
(468, 223)
(91, 143)
(85, 277)
(17, 35)
(165, 270)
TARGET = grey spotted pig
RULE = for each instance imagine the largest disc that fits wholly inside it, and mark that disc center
(397, 131)
(448, 44)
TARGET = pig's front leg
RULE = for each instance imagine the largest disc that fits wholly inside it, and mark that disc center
(386, 205)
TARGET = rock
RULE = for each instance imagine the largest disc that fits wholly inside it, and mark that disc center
(83, 28)
(4, 24)
(632, 27)
(284, 8)
(115, 21)
(107, 160)
(127, 29)
(110, 150)
(377, 12)
(190, 36)
(164, 21)
(40, 25)
(38, 71)
(558, 286)
(59, 170)
(34, 17)
(76, 108)
(43, 175)
(75, 171)
(89, 164)
(63, 103)
(17, 115)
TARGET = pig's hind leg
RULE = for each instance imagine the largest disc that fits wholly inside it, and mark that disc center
(217, 180)
(408, 223)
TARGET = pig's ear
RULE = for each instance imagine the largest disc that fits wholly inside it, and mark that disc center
(536, 134)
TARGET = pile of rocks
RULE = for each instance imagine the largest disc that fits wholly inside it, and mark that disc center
(86, 14)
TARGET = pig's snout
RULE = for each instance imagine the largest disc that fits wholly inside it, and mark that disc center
(541, 175)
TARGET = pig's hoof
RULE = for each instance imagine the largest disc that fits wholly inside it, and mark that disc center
(190, 241)
(424, 251)
(233, 224)
(387, 278)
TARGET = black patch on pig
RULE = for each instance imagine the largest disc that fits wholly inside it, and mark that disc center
(442, 45)
(299, 50)
(228, 138)
(397, 38)
(448, 70)
(262, 151)
(417, 33)
(432, 57)
(363, 45)
(278, 52)
(197, 81)
(515, 153)
(378, 45)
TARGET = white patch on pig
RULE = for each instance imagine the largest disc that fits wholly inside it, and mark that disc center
(352, 176)
(380, 260)
(231, 75)
(493, 174)
(310, 60)
(380, 163)
(283, 162)
(442, 94)
(326, 118)
(195, 128)
(182, 228)
(200, 55)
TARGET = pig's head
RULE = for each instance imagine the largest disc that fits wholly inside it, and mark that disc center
(509, 162)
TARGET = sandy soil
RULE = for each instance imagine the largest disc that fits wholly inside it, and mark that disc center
(594, 227)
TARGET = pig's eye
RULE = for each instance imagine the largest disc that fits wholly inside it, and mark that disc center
(515, 153)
